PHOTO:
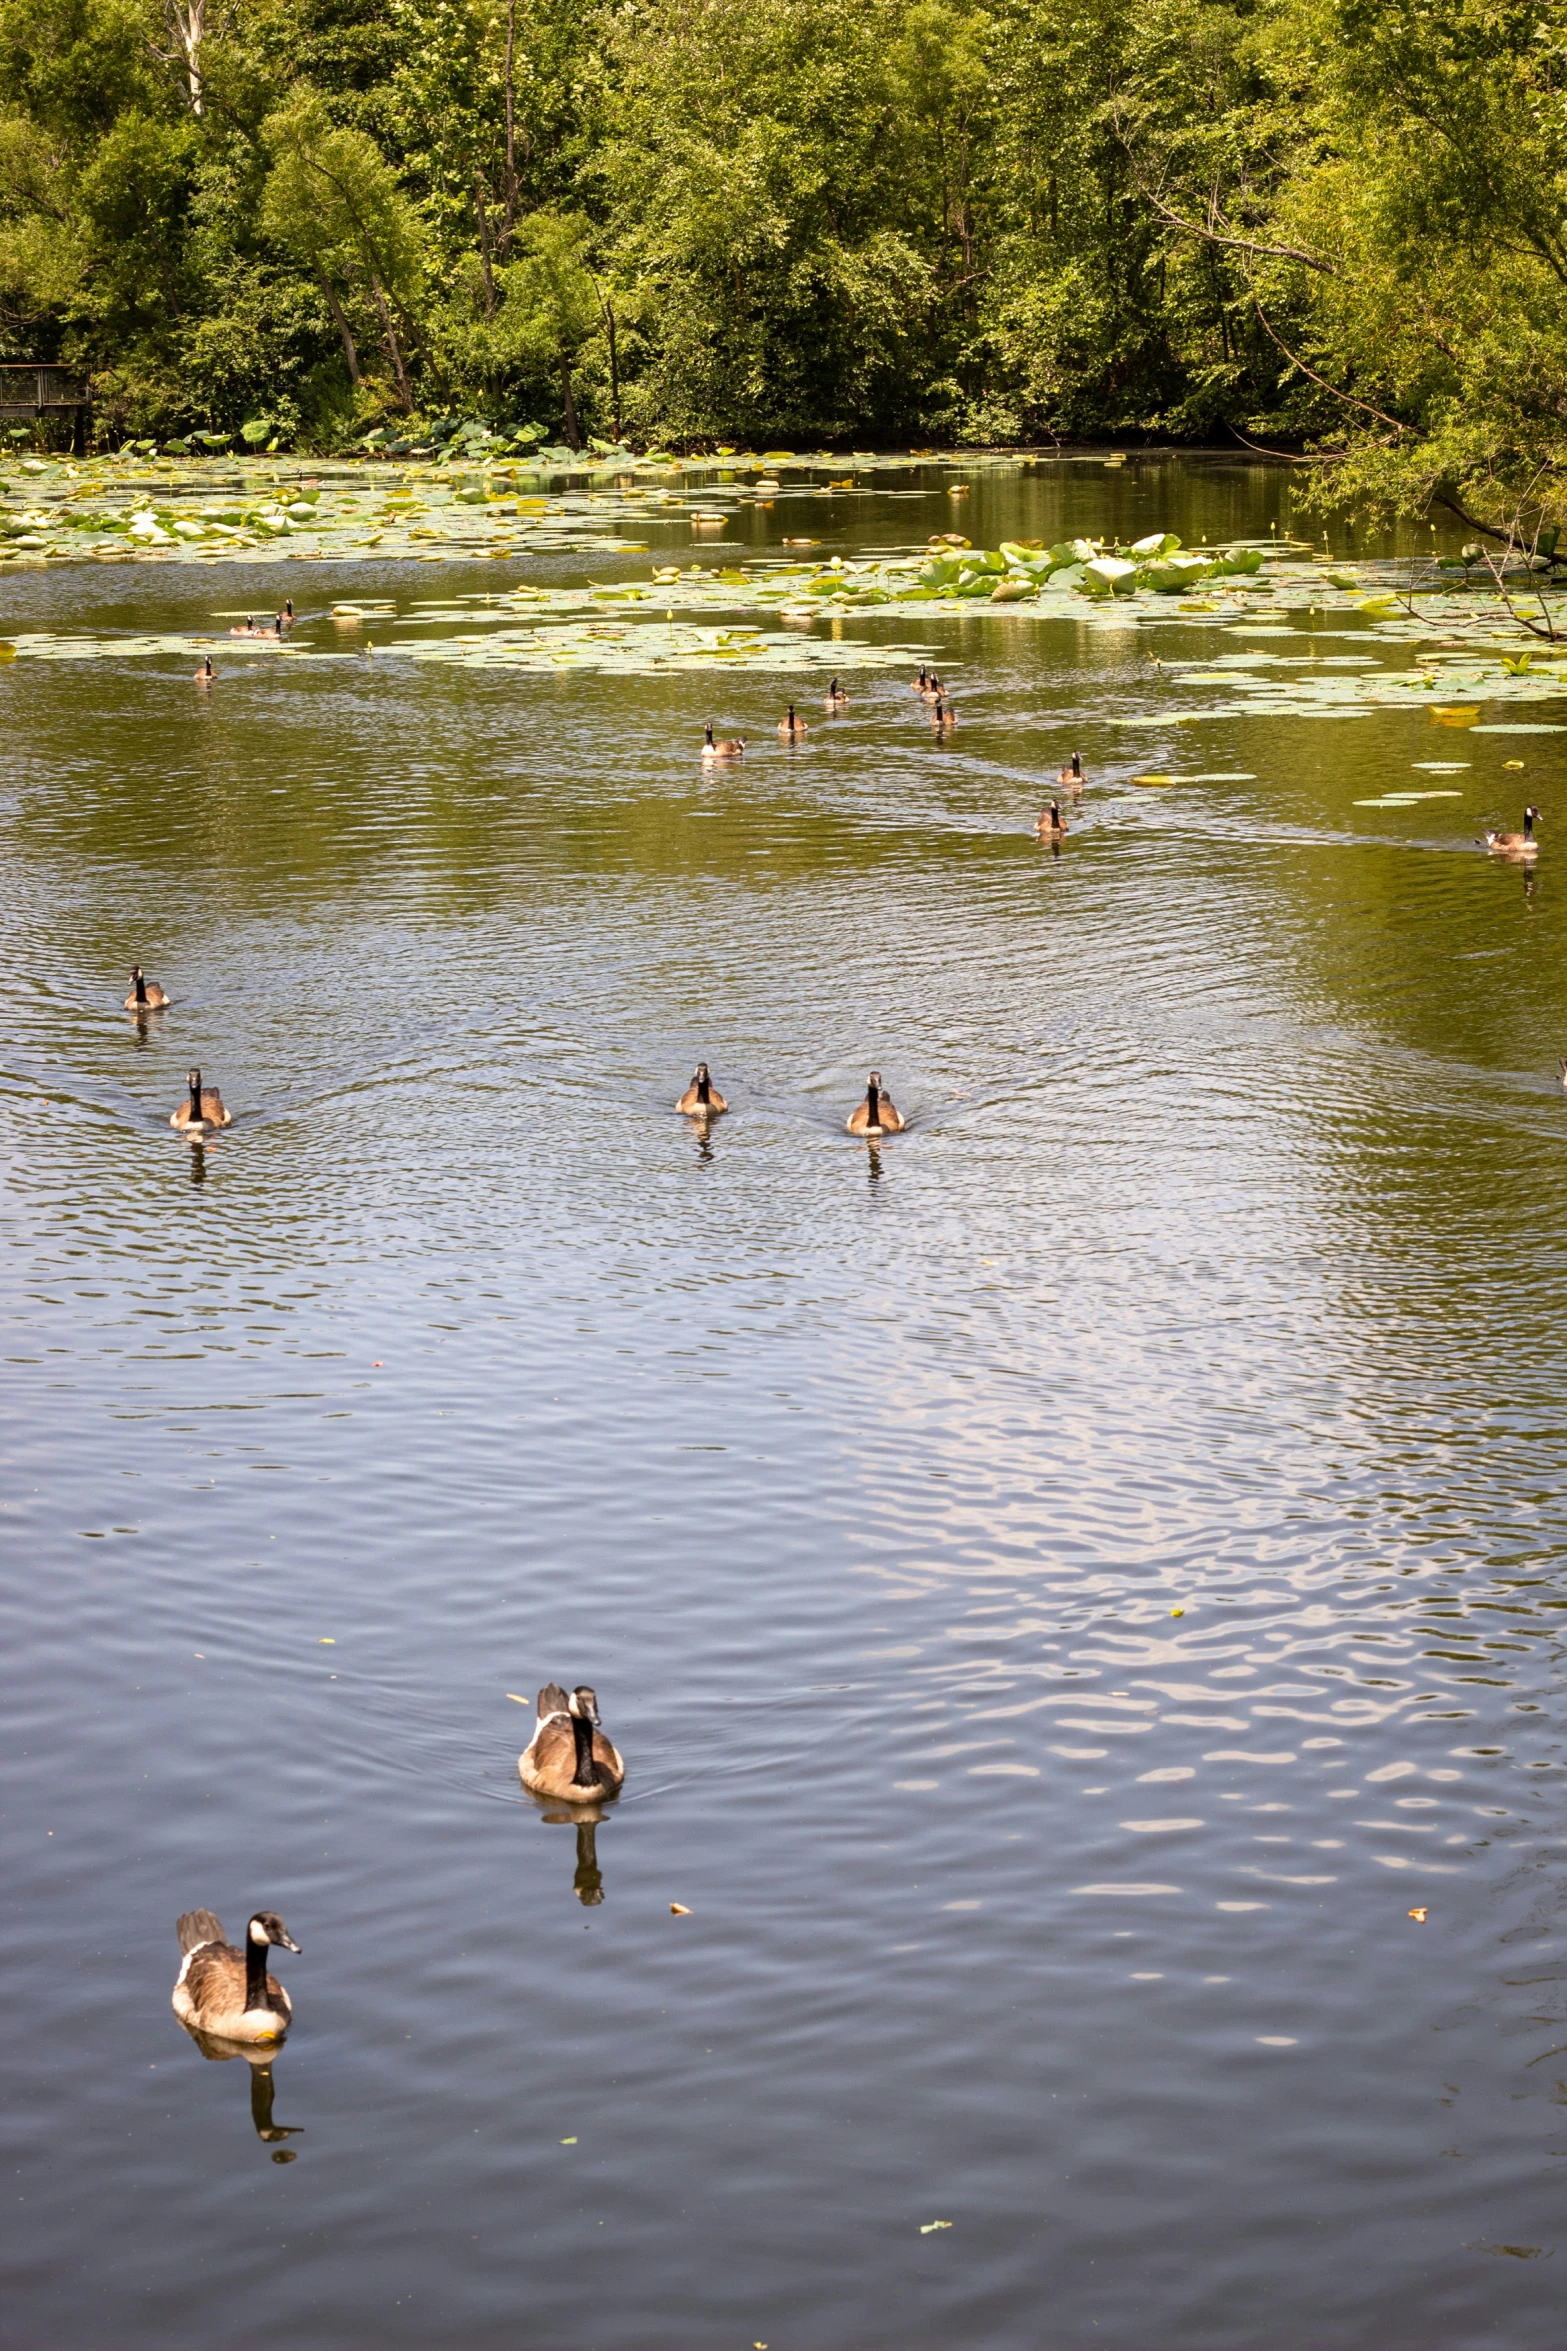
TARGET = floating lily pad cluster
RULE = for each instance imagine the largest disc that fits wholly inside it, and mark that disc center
(132, 507)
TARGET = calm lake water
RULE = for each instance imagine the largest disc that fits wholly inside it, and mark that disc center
(1221, 1271)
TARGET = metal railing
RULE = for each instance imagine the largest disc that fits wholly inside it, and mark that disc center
(41, 388)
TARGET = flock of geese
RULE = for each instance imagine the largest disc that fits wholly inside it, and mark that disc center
(204, 1112)
(228, 1998)
(1050, 824)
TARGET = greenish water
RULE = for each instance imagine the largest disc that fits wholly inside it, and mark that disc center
(1219, 1271)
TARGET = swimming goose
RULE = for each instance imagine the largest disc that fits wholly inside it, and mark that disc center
(205, 675)
(203, 1111)
(145, 995)
(876, 1115)
(727, 747)
(226, 1992)
(836, 698)
(791, 727)
(921, 682)
(943, 717)
(1071, 776)
(1521, 844)
(701, 1098)
(1052, 825)
(933, 690)
(568, 1756)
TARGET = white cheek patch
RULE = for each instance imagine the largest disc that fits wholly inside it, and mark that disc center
(258, 1934)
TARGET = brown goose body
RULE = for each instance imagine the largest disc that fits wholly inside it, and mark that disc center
(228, 1993)
(1073, 776)
(145, 995)
(568, 1757)
(877, 1114)
(789, 726)
(1052, 825)
(202, 1111)
(726, 747)
(836, 698)
(701, 1098)
(943, 717)
(1521, 844)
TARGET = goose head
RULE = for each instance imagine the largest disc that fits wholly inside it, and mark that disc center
(584, 1704)
(266, 1927)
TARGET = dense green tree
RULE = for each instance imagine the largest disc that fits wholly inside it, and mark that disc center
(1326, 226)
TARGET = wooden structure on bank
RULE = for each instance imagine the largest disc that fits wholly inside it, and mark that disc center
(38, 388)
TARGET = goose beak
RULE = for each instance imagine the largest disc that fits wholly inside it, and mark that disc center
(287, 1941)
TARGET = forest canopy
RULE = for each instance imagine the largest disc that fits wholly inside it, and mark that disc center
(1329, 227)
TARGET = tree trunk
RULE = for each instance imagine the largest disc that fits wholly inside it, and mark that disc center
(484, 247)
(509, 218)
(573, 436)
(187, 23)
(341, 323)
(393, 348)
(608, 309)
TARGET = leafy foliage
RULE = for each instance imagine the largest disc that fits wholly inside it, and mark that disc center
(1331, 226)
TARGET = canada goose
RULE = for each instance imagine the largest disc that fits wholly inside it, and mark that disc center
(249, 628)
(203, 1111)
(876, 1115)
(287, 616)
(1052, 824)
(145, 995)
(568, 1756)
(701, 1098)
(229, 1993)
(921, 682)
(205, 675)
(727, 747)
(1521, 844)
(1071, 775)
(943, 717)
(836, 698)
(933, 690)
(790, 727)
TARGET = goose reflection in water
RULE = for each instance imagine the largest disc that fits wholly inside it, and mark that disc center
(262, 2090)
(588, 1884)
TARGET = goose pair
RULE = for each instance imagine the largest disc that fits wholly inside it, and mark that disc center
(876, 1115)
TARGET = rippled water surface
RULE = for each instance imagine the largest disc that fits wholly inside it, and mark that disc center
(1067, 1584)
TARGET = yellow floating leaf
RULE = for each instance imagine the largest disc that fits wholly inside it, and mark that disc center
(568, 2142)
(1453, 716)
(678, 1910)
(1177, 1612)
(1420, 1915)
(927, 2225)
(326, 1642)
(1505, 762)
